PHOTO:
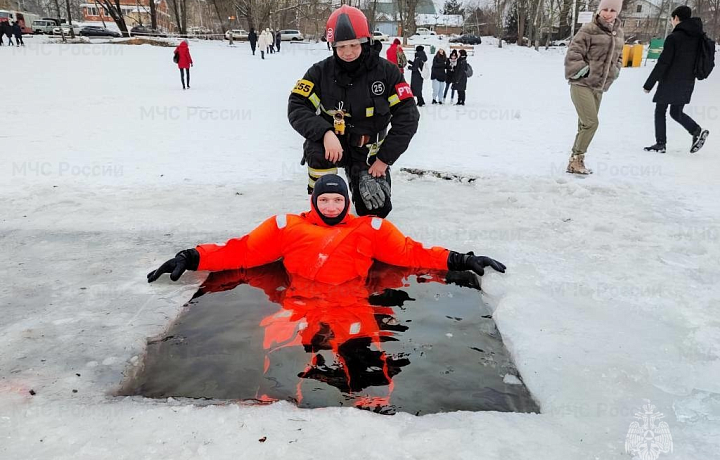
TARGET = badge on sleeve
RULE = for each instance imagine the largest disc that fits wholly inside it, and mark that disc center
(303, 88)
(403, 91)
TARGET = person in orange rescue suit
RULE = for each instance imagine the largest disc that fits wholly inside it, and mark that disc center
(350, 321)
(327, 253)
(325, 244)
(343, 107)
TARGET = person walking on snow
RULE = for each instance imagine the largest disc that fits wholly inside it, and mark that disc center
(355, 110)
(325, 245)
(438, 75)
(263, 44)
(592, 63)
(416, 79)
(17, 31)
(252, 38)
(184, 62)
(675, 72)
(7, 31)
(396, 55)
(278, 39)
(270, 41)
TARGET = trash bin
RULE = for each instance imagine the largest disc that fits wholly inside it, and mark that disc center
(637, 54)
(432, 49)
(656, 47)
(626, 55)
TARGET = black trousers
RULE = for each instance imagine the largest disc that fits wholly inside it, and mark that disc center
(252, 47)
(354, 162)
(447, 87)
(182, 77)
(19, 41)
(677, 114)
(461, 96)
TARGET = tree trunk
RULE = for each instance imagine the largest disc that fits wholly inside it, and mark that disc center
(217, 11)
(72, 32)
(153, 14)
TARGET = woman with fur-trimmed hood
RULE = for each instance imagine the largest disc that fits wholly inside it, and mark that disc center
(592, 63)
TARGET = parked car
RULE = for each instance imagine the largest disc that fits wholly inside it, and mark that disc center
(467, 40)
(97, 31)
(291, 35)
(379, 36)
(424, 31)
(42, 26)
(147, 31)
(237, 34)
(514, 39)
(199, 31)
(66, 29)
(563, 42)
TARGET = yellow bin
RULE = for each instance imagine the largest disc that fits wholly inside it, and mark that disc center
(637, 53)
(626, 55)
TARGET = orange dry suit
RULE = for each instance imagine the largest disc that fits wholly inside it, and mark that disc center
(316, 251)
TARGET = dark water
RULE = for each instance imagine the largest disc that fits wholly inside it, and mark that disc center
(402, 341)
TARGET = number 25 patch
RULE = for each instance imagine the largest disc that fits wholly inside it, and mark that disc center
(303, 88)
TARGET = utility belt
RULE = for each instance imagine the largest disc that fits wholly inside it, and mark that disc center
(362, 140)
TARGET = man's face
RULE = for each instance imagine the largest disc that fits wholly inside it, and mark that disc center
(608, 15)
(331, 204)
(348, 50)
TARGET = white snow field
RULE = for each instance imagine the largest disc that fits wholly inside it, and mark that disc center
(108, 168)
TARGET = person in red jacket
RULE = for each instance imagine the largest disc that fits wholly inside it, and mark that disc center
(325, 244)
(395, 54)
(184, 61)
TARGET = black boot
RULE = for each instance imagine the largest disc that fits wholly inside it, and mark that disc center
(699, 137)
(657, 147)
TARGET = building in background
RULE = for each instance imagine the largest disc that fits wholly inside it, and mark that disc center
(136, 12)
(646, 19)
(387, 17)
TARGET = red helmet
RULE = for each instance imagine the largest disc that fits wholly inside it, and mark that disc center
(347, 23)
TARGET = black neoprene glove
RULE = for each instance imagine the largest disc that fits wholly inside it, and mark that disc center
(189, 259)
(470, 261)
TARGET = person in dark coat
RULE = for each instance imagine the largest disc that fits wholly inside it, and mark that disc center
(438, 75)
(460, 79)
(252, 38)
(355, 111)
(416, 81)
(17, 31)
(450, 75)
(278, 39)
(7, 31)
(675, 72)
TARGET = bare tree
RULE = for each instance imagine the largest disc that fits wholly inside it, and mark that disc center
(500, 6)
(153, 14)
(69, 17)
(113, 8)
(179, 8)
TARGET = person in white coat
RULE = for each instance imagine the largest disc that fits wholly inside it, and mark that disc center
(263, 43)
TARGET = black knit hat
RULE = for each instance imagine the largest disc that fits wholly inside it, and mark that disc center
(331, 183)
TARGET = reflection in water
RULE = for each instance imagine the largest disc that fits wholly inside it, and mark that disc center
(326, 345)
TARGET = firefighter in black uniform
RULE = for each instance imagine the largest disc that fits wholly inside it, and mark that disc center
(343, 107)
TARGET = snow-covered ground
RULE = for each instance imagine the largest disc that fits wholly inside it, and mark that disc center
(107, 168)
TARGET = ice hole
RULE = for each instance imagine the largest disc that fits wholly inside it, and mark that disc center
(405, 340)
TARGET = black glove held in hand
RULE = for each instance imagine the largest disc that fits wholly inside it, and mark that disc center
(373, 190)
(470, 261)
(189, 259)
